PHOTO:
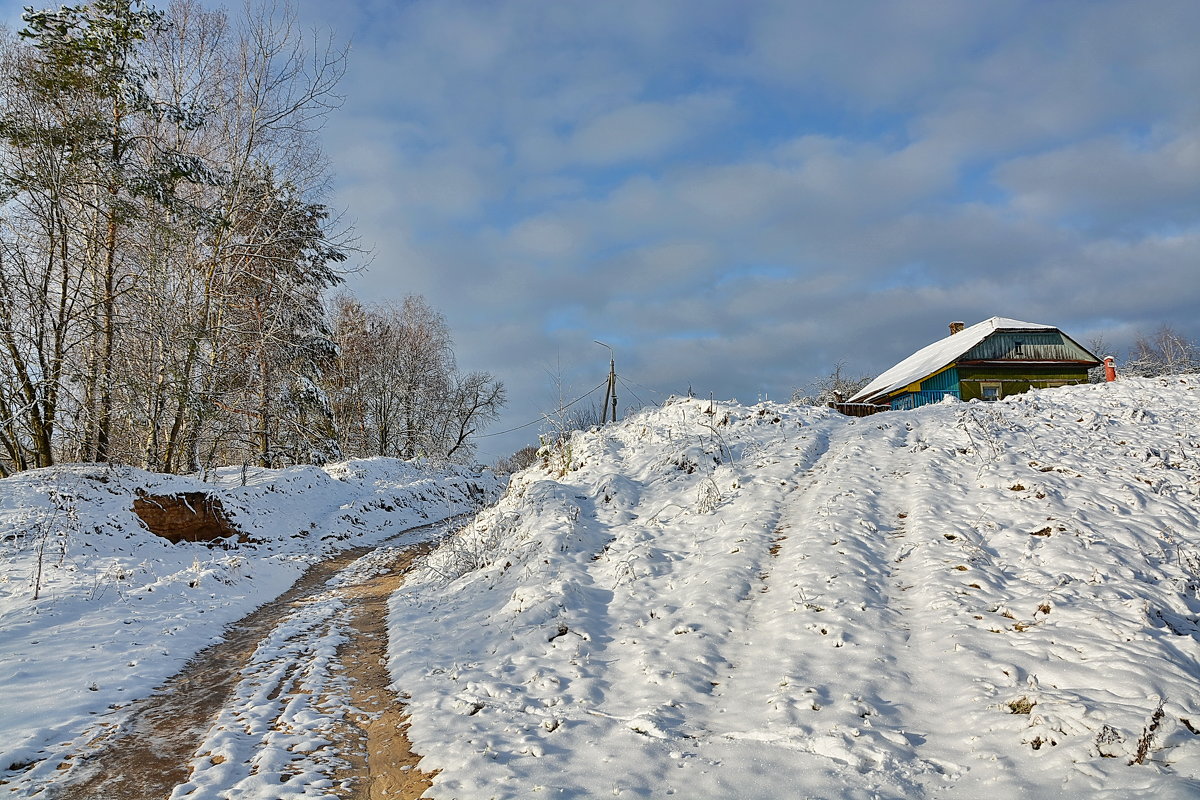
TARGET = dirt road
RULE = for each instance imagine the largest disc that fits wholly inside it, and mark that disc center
(296, 696)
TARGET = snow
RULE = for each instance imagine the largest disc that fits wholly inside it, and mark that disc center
(933, 357)
(290, 699)
(121, 609)
(973, 600)
(961, 601)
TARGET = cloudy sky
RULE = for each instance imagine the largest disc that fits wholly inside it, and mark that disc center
(737, 195)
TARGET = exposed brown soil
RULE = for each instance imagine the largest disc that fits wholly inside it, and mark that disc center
(389, 769)
(149, 755)
(187, 517)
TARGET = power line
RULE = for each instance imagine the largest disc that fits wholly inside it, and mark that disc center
(625, 383)
(643, 386)
(543, 418)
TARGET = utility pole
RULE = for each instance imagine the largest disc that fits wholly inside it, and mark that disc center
(611, 391)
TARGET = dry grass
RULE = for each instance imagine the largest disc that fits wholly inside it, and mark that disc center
(1022, 705)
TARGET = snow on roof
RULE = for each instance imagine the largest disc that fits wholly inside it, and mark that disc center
(930, 359)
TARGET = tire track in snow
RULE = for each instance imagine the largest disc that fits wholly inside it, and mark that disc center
(903, 597)
(937, 560)
(815, 455)
(848, 598)
(926, 670)
(749, 677)
(252, 700)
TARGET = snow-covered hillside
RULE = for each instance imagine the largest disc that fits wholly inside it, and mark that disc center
(967, 600)
(119, 609)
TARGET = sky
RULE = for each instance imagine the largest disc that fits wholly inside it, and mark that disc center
(736, 196)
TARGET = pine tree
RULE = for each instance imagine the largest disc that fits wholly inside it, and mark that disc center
(89, 71)
(284, 265)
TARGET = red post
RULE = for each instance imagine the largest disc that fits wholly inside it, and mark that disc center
(1110, 369)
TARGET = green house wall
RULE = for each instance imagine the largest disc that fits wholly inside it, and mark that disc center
(1016, 379)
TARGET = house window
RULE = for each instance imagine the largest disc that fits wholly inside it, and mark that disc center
(989, 391)
(1017, 348)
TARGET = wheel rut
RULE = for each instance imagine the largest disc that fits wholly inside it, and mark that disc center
(382, 764)
(161, 745)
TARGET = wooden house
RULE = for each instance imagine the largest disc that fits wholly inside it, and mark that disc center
(993, 359)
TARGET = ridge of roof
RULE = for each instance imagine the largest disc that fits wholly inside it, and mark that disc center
(935, 356)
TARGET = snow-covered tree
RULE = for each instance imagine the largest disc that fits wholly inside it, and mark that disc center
(835, 387)
(274, 322)
(1166, 352)
(163, 246)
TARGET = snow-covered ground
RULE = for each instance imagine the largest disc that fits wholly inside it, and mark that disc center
(966, 600)
(120, 609)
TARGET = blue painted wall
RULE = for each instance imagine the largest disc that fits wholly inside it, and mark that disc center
(942, 382)
(933, 389)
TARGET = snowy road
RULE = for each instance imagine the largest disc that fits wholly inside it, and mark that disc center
(294, 703)
(134, 665)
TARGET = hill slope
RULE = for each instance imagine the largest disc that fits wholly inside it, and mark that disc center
(114, 609)
(966, 600)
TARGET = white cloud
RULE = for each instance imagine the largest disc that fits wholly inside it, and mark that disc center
(1110, 182)
(642, 130)
(547, 237)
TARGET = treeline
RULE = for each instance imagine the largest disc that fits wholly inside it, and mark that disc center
(166, 260)
(1165, 352)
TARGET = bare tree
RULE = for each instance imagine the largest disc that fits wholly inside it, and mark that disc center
(396, 390)
(1166, 352)
(835, 387)
(474, 402)
(46, 299)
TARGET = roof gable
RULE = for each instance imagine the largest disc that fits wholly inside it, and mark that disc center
(1029, 346)
(942, 353)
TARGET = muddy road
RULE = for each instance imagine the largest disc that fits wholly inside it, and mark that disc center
(294, 702)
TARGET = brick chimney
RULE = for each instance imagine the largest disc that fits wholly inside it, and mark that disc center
(956, 327)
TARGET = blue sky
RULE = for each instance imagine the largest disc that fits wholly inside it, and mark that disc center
(737, 195)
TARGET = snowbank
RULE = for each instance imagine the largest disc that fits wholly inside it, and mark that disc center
(969, 600)
(118, 609)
